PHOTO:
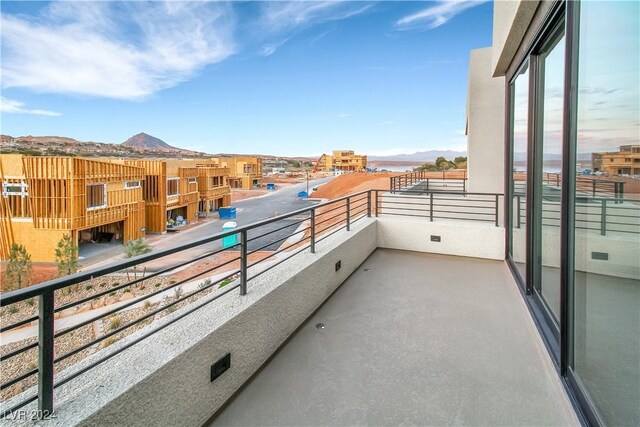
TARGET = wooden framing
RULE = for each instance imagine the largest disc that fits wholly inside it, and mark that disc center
(245, 172)
(56, 201)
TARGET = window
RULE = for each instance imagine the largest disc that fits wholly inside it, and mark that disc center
(192, 180)
(172, 187)
(518, 180)
(216, 181)
(14, 189)
(132, 184)
(96, 196)
(605, 296)
(248, 168)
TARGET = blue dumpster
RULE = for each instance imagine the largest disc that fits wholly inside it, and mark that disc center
(303, 195)
(232, 240)
(271, 186)
(227, 213)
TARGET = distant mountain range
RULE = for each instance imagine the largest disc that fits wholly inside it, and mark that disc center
(143, 141)
(419, 156)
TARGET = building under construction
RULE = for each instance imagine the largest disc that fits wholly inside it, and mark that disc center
(341, 160)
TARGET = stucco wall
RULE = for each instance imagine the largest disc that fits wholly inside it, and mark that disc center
(485, 125)
(166, 379)
(510, 22)
(479, 240)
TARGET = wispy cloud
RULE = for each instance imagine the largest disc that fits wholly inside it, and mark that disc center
(122, 50)
(436, 15)
(13, 106)
(278, 18)
(270, 48)
(387, 123)
(343, 115)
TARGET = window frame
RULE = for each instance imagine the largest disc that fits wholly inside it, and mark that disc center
(104, 196)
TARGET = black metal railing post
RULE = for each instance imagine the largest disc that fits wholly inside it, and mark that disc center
(312, 236)
(431, 207)
(369, 203)
(519, 211)
(348, 214)
(593, 184)
(497, 207)
(603, 217)
(45, 354)
(243, 262)
(391, 184)
(377, 205)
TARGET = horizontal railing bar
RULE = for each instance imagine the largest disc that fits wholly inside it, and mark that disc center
(140, 299)
(332, 233)
(280, 250)
(18, 406)
(18, 351)
(143, 337)
(18, 324)
(279, 240)
(330, 226)
(55, 284)
(277, 229)
(138, 320)
(330, 218)
(279, 262)
(18, 379)
(141, 279)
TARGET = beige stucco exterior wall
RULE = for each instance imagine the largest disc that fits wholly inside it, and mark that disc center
(485, 125)
(510, 23)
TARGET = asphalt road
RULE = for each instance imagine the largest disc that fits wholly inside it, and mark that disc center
(248, 211)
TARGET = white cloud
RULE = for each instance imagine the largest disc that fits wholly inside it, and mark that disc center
(12, 106)
(343, 115)
(122, 50)
(280, 17)
(387, 123)
(434, 16)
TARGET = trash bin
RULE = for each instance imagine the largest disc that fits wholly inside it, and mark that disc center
(303, 195)
(271, 186)
(227, 213)
(232, 239)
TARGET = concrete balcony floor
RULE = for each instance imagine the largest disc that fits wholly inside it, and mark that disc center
(418, 339)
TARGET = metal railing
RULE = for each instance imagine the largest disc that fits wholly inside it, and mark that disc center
(265, 244)
(588, 186)
(430, 181)
(603, 215)
(449, 205)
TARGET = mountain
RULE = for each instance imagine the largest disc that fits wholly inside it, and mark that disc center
(142, 142)
(419, 156)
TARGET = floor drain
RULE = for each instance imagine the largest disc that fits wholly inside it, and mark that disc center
(319, 325)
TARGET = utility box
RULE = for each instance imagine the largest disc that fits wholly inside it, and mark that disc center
(231, 240)
(227, 213)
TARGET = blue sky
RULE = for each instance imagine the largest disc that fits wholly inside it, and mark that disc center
(283, 78)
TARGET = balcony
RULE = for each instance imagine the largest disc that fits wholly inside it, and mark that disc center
(423, 324)
(411, 339)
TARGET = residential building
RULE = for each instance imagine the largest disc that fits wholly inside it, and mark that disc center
(625, 161)
(213, 187)
(170, 190)
(245, 172)
(515, 303)
(341, 160)
(44, 198)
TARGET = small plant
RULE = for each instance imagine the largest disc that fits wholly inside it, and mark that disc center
(103, 284)
(107, 342)
(172, 282)
(88, 287)
(113, 285)
(115, 323)
(177, 292)
(19, 268)
(31, 366)
(171, 309)
(225, 282)
(13, 309)
(142, 288)
(126, 291)
(146, 305)
(66, 256)
(157, 285)
(205, 284)
(31, 302)
(112, 293)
